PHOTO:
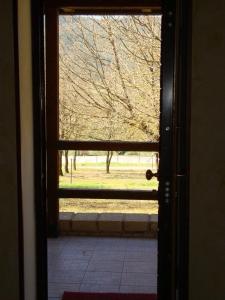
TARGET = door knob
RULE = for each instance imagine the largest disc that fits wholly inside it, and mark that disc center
(149, 174)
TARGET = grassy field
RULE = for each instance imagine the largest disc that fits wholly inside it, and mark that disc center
(116, 179)
(122, 176)
(108, 205)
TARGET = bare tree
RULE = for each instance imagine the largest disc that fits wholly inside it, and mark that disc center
(109, 78)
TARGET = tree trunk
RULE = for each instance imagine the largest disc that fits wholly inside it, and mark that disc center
(60, 163)
(108, 160)
(66, 161)
(75, 160)
(157, 160)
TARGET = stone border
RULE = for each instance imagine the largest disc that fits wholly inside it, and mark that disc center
(108, 224)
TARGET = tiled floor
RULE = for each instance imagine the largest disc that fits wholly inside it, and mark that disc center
(101, 264)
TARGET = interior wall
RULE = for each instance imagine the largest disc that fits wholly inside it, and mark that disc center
(207, 185)
(9, 256)
(207, 177)
(27, 163)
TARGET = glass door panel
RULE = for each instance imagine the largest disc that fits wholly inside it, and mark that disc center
(109, 77)
(109, 91)
(107, 169)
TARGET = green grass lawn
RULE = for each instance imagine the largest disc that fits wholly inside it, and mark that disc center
(107, 183)
(120, 177)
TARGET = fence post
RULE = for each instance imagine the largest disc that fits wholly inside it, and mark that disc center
(71, 170)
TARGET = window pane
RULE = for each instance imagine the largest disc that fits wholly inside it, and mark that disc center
(107, 169)
(109, 77)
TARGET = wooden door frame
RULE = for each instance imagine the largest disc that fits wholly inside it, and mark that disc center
(175, 252)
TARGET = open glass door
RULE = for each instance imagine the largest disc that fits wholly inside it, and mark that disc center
(109, 106)
(107, 82)
(106, 115)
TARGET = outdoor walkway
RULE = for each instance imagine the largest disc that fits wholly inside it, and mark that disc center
(101, 264)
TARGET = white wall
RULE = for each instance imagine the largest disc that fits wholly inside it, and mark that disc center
(27, 165)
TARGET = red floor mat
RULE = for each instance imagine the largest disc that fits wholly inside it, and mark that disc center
(106, 296)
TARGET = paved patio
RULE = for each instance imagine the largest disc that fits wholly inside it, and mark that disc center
(101, 264)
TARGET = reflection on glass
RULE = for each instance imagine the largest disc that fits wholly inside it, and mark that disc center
(109, 77)
(107, 169)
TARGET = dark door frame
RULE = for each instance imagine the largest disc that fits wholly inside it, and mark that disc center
(39, 132)
(52, 11)
(173, 249)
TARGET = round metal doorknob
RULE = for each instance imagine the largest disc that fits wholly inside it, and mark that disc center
(149, 174)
